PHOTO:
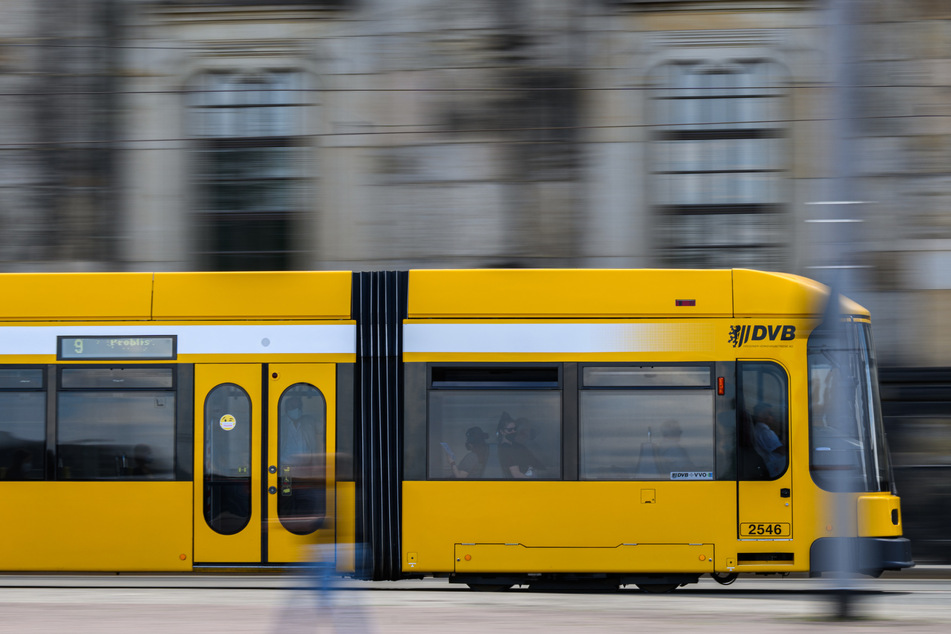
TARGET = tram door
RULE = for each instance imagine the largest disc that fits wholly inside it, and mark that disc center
(300, 499)
(227, 480)
(261, 461)
(765, 493)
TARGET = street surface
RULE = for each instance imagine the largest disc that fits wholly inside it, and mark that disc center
(199, 604)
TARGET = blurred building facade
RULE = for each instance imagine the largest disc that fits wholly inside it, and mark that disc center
(374, 134)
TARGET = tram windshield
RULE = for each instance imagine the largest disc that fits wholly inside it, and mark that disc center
(847, 437)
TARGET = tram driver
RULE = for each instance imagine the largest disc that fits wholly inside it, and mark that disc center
(766, 441)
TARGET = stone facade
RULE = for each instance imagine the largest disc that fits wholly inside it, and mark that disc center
(58, 88)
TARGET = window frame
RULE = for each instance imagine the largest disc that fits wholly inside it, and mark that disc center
(300, 524)
(741, 404)
(855, 346)
(46, 391)
(181, 469)
(527, 369)
(643, 364)
(705, 126)
(246, 94)
(208, 479)
(711, 387)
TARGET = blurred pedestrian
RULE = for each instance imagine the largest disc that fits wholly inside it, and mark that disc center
(319, 601)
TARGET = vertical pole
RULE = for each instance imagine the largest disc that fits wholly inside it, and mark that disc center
(840, 217)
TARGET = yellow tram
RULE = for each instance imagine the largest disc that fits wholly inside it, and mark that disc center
(497, 427)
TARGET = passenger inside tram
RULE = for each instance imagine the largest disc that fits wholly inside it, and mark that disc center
(671, 455)
(517, 460)
(473, 463)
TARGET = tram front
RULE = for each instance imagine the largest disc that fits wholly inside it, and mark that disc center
(860, 524)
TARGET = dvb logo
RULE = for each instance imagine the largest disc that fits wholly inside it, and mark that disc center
(740, 335)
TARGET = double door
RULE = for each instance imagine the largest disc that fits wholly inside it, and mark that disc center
(264, 465)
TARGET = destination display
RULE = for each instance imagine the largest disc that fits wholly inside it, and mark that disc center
(133, 347)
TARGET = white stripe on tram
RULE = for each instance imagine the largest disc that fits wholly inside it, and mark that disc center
(221, 339)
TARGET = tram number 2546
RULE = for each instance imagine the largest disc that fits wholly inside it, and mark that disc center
(774, 529)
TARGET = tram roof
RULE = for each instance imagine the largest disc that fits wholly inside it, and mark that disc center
(433, 294)
(615, 294)
(175, 296)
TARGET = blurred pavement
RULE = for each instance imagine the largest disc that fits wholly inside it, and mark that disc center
(179, 604)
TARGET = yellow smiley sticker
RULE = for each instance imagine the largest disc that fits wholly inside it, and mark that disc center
(227, 422)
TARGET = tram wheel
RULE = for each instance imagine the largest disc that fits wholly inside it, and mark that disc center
(490, 587)
(724, 579)
(657, 588)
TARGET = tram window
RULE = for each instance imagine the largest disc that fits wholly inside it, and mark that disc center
(227, 459)
(763, 421)
(646, 422)
(500, 377)
(646, 376)
(22, 424)
(112, 424)
(111, 378)
(847, 438)
(646, 434)
(21, 379)
(301, 458)
(495, 423)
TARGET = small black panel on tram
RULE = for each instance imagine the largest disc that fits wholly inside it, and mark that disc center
(494, 377)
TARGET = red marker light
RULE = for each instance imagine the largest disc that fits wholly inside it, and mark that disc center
(721, 385)
(686, 302)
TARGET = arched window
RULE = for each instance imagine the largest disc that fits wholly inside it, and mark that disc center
(717, 156)
(251, 167)
(302, 459)
(227, 476)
